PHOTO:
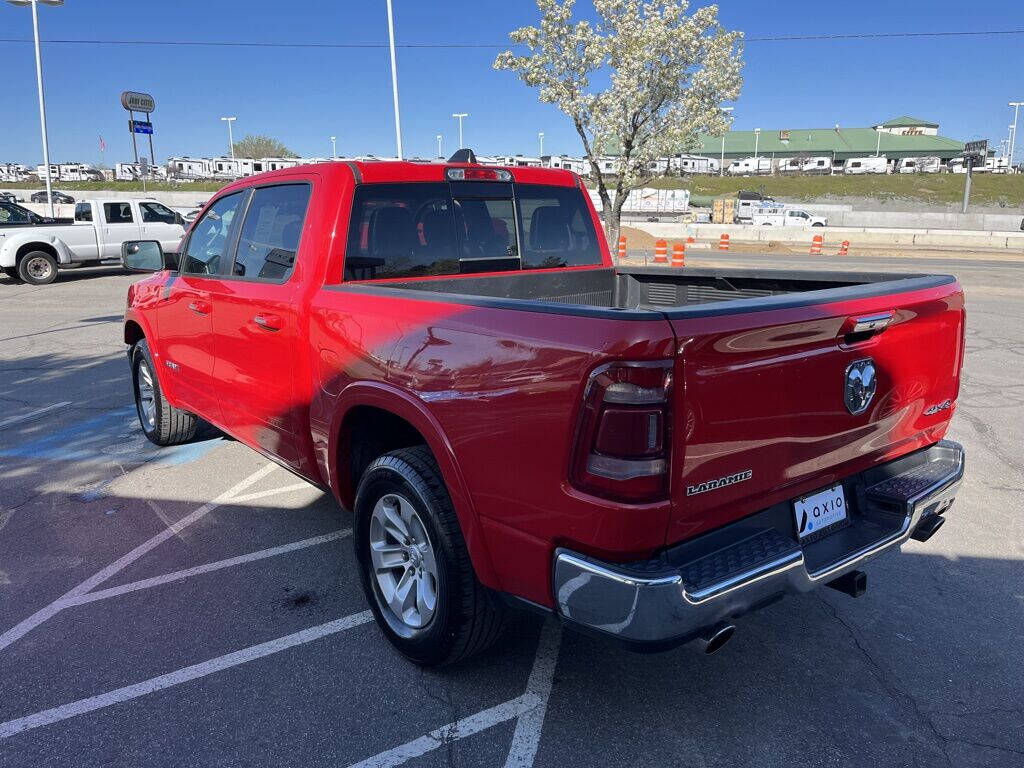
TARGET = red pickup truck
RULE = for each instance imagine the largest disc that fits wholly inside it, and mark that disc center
(647, 453)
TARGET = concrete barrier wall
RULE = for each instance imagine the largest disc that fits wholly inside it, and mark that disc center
(833, 236)
(845, 216)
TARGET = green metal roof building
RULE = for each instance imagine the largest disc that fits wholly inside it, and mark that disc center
(837, 143)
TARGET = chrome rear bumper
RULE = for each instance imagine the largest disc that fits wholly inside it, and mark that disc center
(664, 601)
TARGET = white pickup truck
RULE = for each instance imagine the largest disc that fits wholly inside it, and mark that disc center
(782, 216)
(34, 254)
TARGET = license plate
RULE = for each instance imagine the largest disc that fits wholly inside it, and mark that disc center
(819, 511)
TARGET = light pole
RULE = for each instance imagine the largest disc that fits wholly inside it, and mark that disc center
(721, 167)
(541, 137)
(231, 138)
(334, 147)
(878, 142)
(439, 139)
(459, 116)
(39, 83)
(757, 136)
(1013, 137)
(394, 81)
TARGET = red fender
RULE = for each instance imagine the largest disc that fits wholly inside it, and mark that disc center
(409, 407)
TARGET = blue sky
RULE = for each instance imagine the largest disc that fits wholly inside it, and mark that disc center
(303, 96)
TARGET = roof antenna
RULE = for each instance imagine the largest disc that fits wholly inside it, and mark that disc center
(463, 156)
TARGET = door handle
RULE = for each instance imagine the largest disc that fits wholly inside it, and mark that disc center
(865, 326)
(200, 307)
(268, 322)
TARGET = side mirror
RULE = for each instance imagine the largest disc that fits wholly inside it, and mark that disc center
(146, 256)
(179, 219)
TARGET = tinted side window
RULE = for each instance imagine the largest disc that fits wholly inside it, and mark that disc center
(206, 252)
(118, 213)
(401, 230)
(83, 212)
(557, 228)
(155, 213)
(270, 234)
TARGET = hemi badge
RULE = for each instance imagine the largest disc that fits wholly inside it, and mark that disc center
(714, 485)
(170, 364)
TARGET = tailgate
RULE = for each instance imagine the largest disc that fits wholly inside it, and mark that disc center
(762, 412)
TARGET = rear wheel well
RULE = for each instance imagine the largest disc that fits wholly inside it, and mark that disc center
(30, 247)
(367, 433)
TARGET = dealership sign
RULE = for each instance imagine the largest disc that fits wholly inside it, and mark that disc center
(134, 101)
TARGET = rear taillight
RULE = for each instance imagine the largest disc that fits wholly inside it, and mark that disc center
(622, 445)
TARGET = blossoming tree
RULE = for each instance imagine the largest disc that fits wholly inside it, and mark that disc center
(662, 73)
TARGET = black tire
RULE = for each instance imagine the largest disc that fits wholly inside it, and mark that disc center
(12, 272)
(468, 617)
(168, 425)
(37, 268)
(817, 224)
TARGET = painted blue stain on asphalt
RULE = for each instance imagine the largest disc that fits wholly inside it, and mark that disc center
(112, 436)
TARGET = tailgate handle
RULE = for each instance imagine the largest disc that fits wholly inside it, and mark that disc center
(860, 328)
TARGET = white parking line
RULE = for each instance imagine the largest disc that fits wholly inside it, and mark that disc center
(193, 672)
(264, 494)
(526, 738)
(530, 708)
(460, 729)
(27, 625)
(31, 414)
(166, 578)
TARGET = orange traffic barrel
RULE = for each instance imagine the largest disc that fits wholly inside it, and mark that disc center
(816, 242)
(678, 255)
(723, 242)
(844, 249)
(661, 252)
(691, 240)
(622, 247)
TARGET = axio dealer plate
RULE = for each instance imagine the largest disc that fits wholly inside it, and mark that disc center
(819, 511)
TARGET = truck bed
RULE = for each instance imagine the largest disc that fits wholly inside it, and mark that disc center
(640, 291)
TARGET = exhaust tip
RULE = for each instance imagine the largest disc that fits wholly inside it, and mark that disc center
(928, 527)
(715, 638)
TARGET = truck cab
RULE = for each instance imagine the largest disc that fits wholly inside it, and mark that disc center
(95, 236)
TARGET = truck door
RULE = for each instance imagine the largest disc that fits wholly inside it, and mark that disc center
(119, 224)
(185, 312)
(256, 325)
(160, 223)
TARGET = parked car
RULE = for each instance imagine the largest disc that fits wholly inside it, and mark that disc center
(9, 197)
(14, 215)
(58, 197)
(647, 453)
(784, 216)
(100, 226)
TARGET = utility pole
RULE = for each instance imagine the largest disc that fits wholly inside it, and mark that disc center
(439, 139)
(541, 137)
(334, 147)
(39, 84)
(394, 80)
(231, 138)
(1013, 137)
(721, 167)
(459, 116)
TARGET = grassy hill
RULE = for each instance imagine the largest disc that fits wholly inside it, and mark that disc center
(935, 188)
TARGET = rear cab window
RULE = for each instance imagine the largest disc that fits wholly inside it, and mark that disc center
(420, 229)
(269, 239)
(118, 213)
(83, 211)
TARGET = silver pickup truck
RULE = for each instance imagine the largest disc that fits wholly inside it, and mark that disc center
(34, 254)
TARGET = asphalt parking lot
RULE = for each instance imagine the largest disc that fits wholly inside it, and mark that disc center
(199, 606)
